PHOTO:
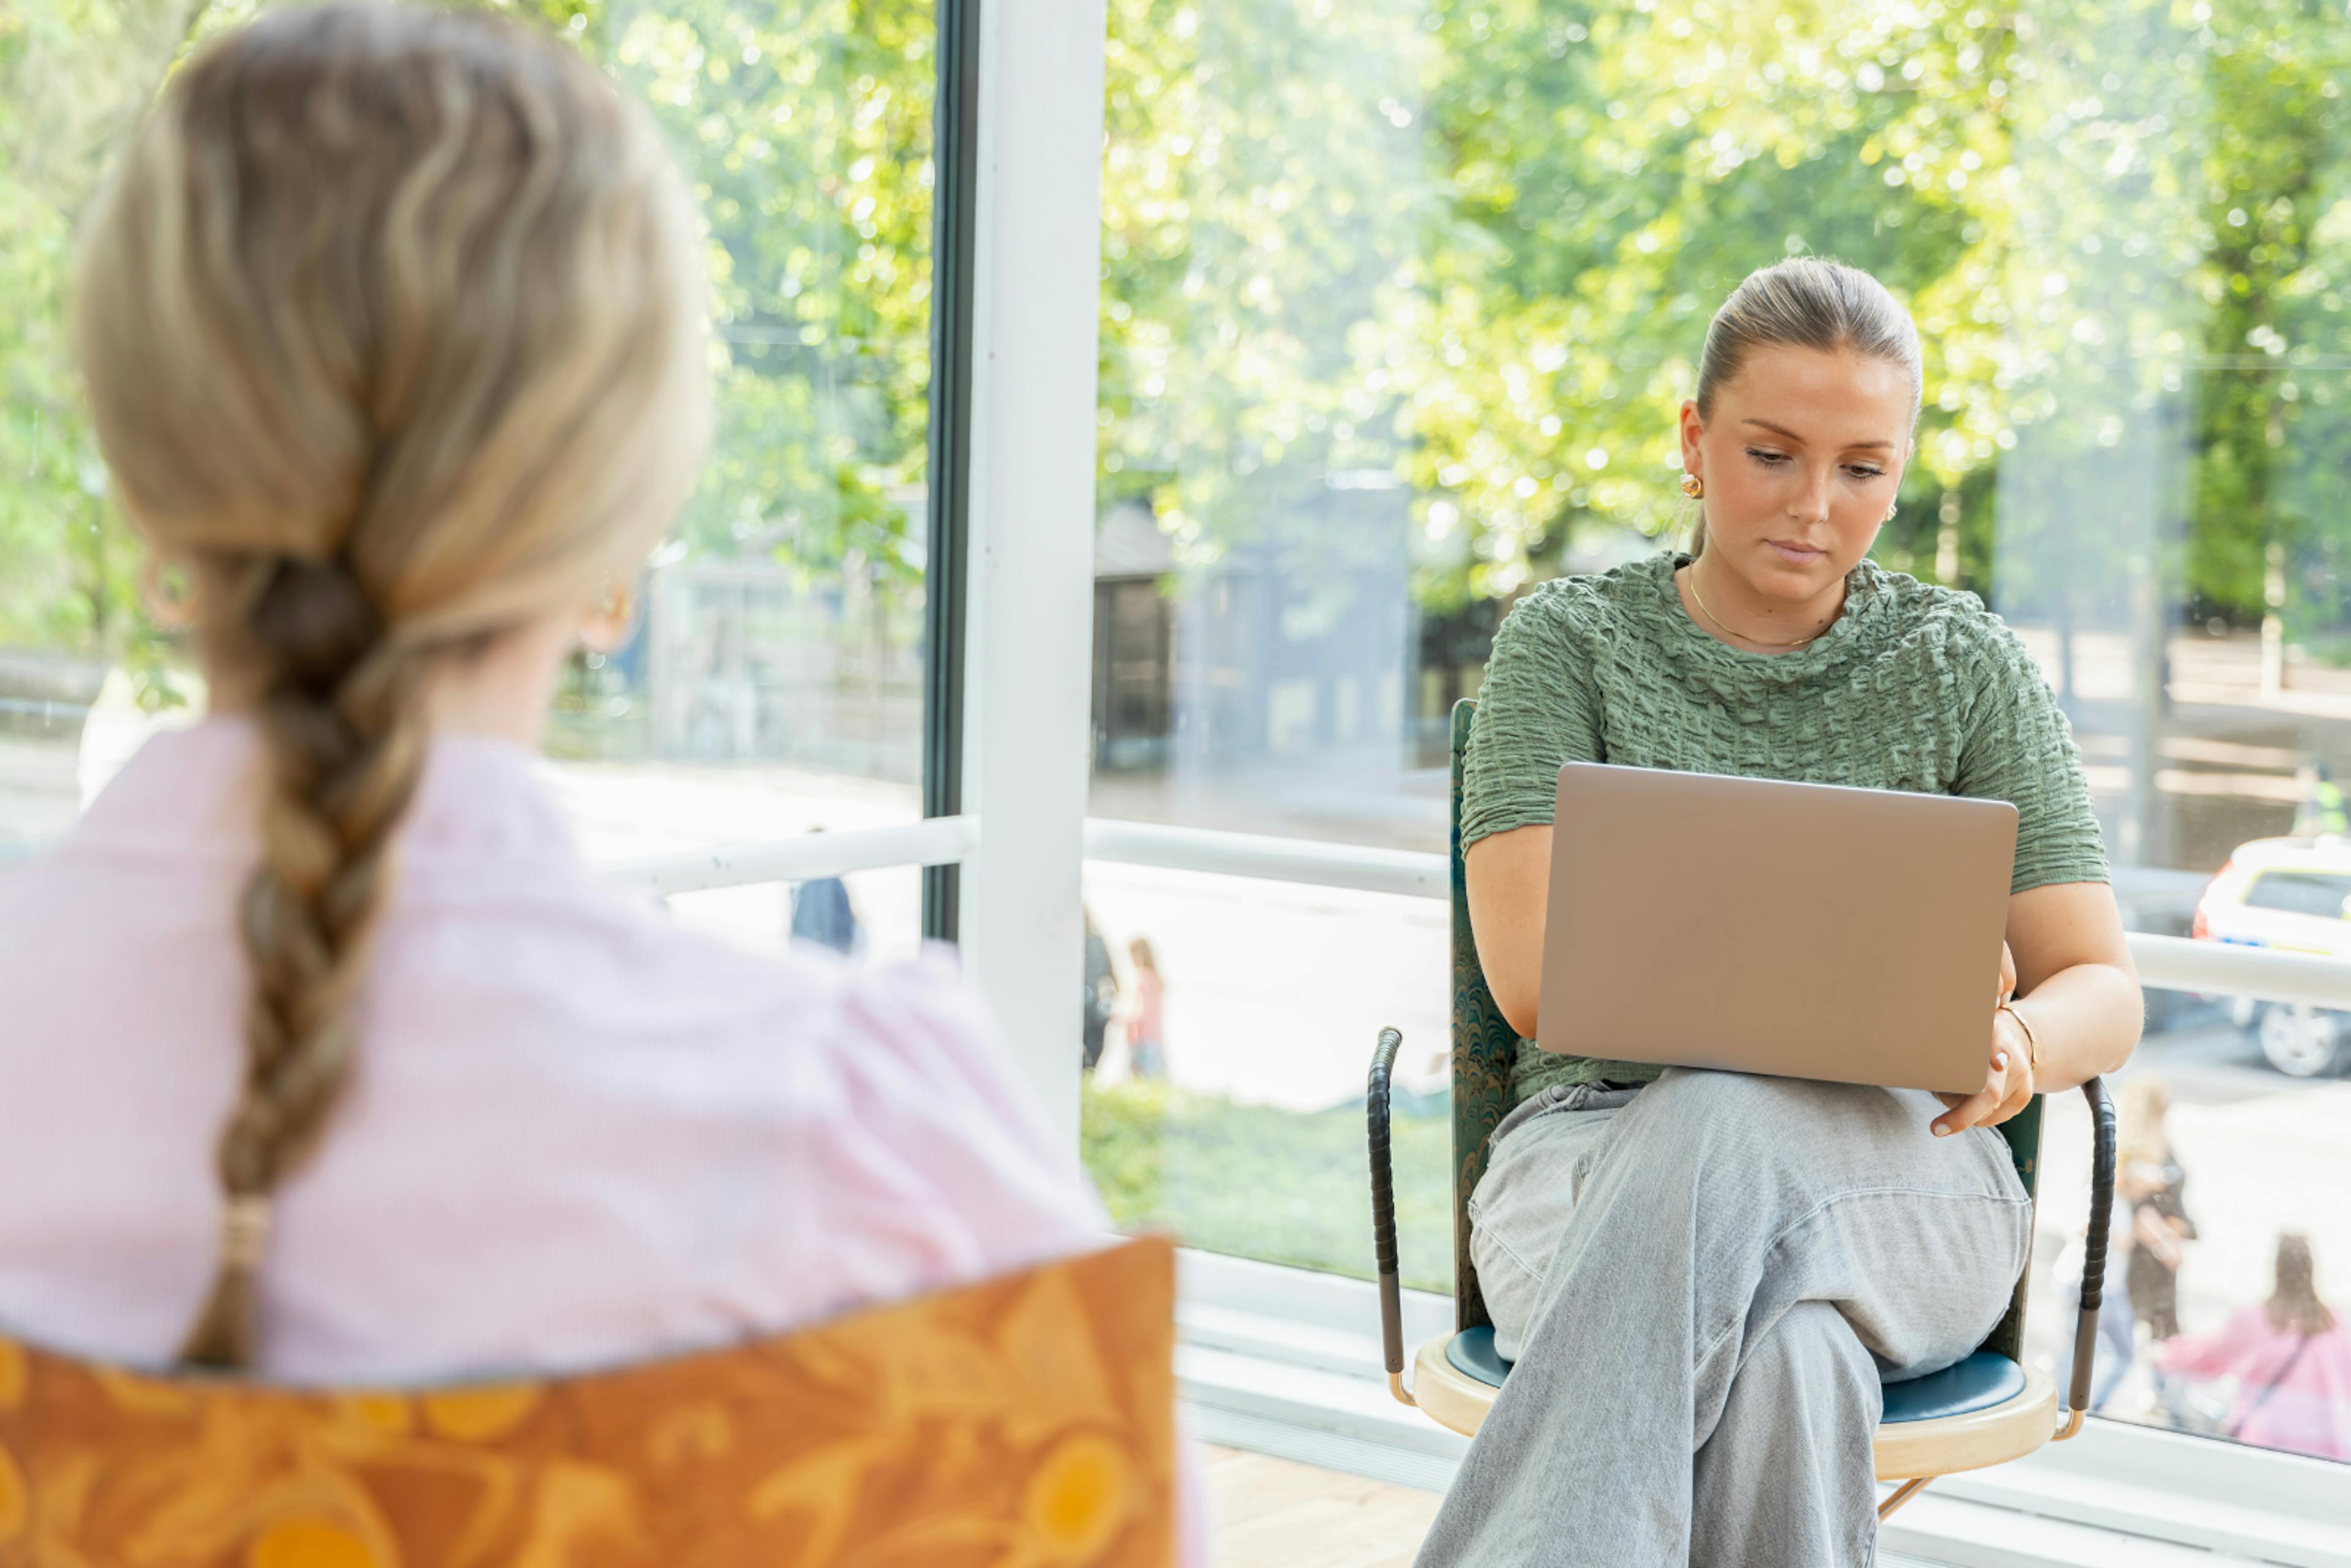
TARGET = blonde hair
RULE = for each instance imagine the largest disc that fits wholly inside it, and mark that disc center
(393, 323)
(2141, 1138)
(1804, 302)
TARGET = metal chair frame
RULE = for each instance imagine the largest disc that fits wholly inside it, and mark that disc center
(1483, 1049)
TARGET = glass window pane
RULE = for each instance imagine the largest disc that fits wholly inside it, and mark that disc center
(1399, 304)
(773, 682)
(1269, 994)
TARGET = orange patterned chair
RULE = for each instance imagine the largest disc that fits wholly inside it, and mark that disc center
(1025, 1422)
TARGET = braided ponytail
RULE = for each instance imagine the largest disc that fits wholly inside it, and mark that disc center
(344, 742)
(391, 322)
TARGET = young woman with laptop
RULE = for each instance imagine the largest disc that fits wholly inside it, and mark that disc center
(1700, 1274)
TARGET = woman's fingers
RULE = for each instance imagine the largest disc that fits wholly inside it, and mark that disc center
(2000, 1098)
(2020, 1095)
(1966, 1112)
(2005, 1092)
(2020, 1089)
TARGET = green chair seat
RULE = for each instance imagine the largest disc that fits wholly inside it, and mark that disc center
(1472, 1351)
(1979, 1382)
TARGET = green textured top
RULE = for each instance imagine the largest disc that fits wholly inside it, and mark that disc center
(1912, 688)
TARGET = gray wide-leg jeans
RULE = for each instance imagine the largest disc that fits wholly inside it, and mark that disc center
(1700, 1283)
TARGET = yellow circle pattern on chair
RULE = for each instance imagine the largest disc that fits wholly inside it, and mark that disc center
(1078, 1497)
(309, 1543)
(477, 1415)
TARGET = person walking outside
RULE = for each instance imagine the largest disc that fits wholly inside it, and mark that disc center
(823, 913)
(2290, 1357)
(2320, 808)
(1146, 1029)
(1101, 996)
(2117, 1328)
(2149, 1176)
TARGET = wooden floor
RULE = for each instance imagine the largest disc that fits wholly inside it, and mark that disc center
(1273, 1513)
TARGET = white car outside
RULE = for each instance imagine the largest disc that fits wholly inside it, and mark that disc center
(2295, 896)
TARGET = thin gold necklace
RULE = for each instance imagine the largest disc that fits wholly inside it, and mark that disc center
(1742, 636)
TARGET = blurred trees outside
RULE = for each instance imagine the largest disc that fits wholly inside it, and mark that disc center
(805, 128)
(1468, 247)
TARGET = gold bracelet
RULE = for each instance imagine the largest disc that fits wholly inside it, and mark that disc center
(2031, 1045)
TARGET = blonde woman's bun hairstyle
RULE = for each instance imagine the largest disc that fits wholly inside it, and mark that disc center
(394, 333)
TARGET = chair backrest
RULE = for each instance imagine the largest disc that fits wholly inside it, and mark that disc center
(1026, 1418)
(1485, 1048)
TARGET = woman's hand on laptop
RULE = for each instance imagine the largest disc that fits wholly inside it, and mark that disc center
(2008, 1084)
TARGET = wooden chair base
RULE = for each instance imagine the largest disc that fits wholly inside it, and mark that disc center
(1449, 1396)
(1910, 1450)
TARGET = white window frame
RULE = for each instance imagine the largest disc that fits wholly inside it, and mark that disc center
(1029, 603)
(1027, 587)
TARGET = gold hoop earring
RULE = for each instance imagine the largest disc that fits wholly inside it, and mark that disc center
(606, 625)
(1693, 487)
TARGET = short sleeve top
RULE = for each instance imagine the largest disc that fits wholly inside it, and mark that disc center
(1912, 687)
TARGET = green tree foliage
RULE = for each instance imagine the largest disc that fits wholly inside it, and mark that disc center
(71, 72)
(806, 129)
(1480, 240)
(1469, 245)
(2272, 196)
(1624, 169)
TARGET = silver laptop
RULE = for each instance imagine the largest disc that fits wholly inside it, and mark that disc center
(1804, 930)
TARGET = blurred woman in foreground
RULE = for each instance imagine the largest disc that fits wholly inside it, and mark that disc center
(326, 1056)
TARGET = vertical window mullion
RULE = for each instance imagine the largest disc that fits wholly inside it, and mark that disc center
(954, 142)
